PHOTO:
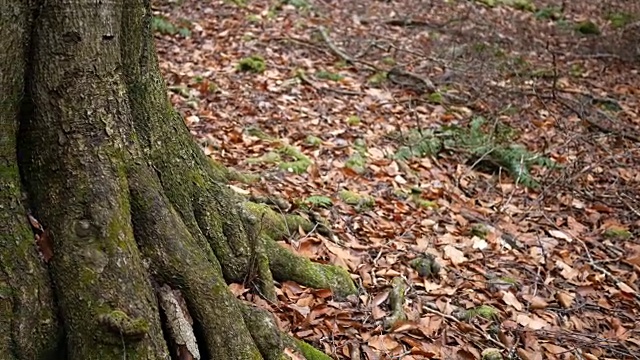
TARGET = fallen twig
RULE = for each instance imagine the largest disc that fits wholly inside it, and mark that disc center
(478, 331)
(308, 81)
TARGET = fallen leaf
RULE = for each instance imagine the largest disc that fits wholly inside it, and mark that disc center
(565, 299)
(560, 235)
(536, 302)
(626, 288)
(456, 256)
(511, 300)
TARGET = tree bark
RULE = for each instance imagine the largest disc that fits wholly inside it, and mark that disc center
(139, 235)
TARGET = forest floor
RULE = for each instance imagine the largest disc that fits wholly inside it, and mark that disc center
(500, 142)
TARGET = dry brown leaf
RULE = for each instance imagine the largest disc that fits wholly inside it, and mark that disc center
(565, 299)
(532, 322)
(626, 288)
(536, 302)
(560, 235)
(511, 300)
(456, 256)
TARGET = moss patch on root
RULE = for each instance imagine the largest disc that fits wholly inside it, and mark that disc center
(286, 265)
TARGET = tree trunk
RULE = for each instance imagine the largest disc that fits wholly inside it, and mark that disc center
(137, 234)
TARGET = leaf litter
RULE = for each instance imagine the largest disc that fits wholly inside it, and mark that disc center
(457, 255)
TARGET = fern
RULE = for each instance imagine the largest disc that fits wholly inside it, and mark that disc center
(489, 147)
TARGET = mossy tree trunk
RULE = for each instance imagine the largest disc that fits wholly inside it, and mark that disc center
(144, 233)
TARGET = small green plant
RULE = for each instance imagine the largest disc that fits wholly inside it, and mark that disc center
(506, 283)
(377, 78)
(253, 18)
(341, 64)
(319, 201)
(248, 37)
(388, 60)
(298, 165)
(418, 143)
(491, 148)
(620, 19)
(259, 133)
(587, 28)
(361, 146)
(480, 230)
(353, 120)
(564, 24)
(436, 98)
(313, 141)
(325, 75)
(483, 311)
(549, 13)
(543, 73)
(524, 5)
(254, 63)
(576, 70)
(617, 233)
(164, 26)
(487, 147)
(298, 4)
(356, 162)
(359, 201)
(426, 204)
(239, 3)
(300, 161)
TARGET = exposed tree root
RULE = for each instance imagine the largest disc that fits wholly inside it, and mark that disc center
(145, 235)
(396, 303)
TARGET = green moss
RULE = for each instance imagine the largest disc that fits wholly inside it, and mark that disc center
(252, 18)
(620, 19)
(300, 161)
(377, 78)
(268, 158)
(617, 233)
(164, 26)
(254, 63)
(426, 266)
(483, 311)
(328, 75)
(264, 331)
(389, 61)
(480, 230)
(238, 3)
(587, 27)
(289, 266)
(435, 98)
(427, 204)
(356, 163)
(313, 141)
(509, 280)
(486, 311)
(319, 201)
(491, 354)
(121, 324)
(524, 5)
(353, 120)
(361, 202)
(296, 167)
(309, 352)
(550, 13)
(276, 225)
